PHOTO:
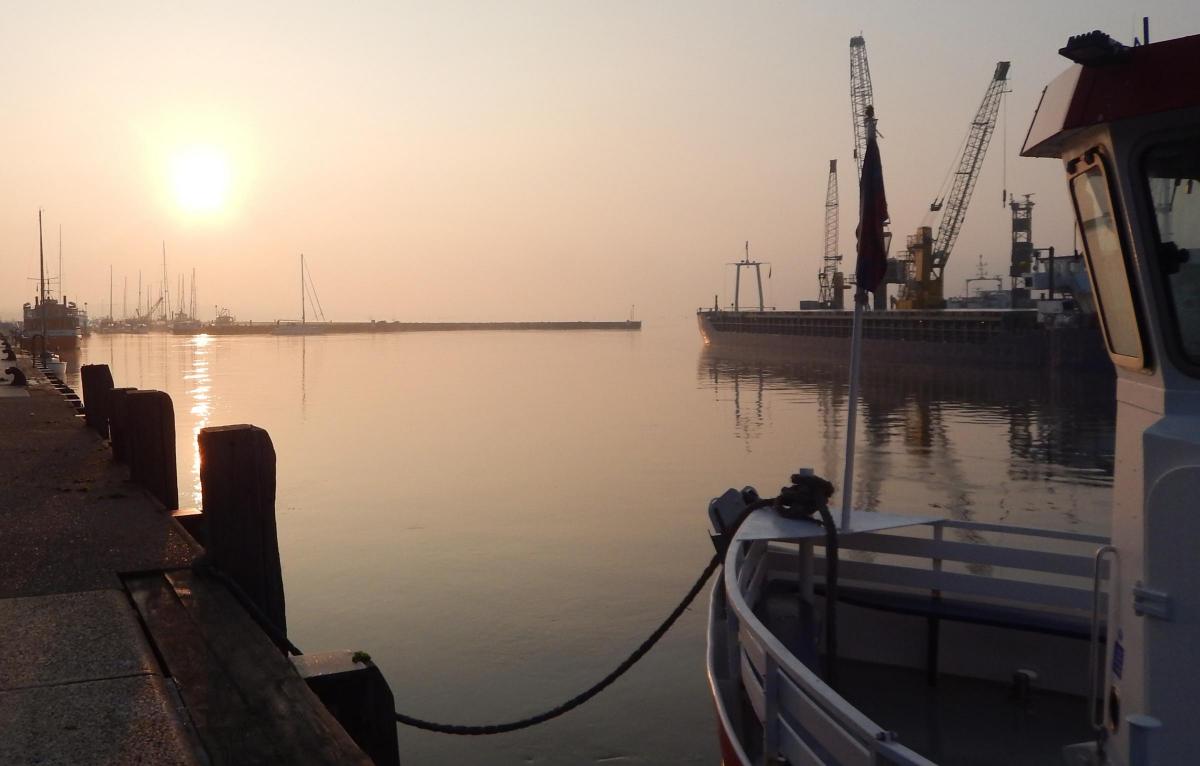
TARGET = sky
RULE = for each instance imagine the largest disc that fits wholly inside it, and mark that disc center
(502, 160)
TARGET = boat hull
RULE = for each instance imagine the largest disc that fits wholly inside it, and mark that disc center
(54, 341)
(1005, 339)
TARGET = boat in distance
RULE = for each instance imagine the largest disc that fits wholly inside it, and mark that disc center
(915, 640)
(60, 324)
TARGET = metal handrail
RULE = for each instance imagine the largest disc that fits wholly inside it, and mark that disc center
(1095, 715)
(855, 723)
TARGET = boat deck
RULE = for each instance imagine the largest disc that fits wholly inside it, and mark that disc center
(957, 722)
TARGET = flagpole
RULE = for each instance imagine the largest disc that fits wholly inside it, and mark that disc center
(860, 298)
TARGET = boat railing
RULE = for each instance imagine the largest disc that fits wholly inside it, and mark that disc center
(1043, 572)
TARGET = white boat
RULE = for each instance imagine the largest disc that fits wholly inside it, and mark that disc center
(54, 365)
(303, 327)
(937, 641)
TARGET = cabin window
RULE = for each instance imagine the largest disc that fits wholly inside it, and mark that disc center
(1173, 179)
(1107, 262)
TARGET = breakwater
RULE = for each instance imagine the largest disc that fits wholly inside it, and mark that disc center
(318, 328)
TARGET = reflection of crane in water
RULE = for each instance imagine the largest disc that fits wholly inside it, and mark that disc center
(830, 400)
(1047, 443)
(873, 462)
(747, 425)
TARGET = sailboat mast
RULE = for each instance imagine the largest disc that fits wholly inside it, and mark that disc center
(110, 301)
(302, 301)
(42, 277)
(61, 294)
(125, 299)
(166, 293)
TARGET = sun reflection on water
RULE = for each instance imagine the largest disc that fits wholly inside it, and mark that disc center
(201, 408)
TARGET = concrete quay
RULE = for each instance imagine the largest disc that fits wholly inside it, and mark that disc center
(118, 647)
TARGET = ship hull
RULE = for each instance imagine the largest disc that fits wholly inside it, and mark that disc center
(54, 341)
(996, 339)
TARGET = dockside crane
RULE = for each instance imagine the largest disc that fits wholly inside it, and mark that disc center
(927, 254)
(831, 280)
(861, 96)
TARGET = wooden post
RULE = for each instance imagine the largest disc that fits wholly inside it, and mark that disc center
(150, 427)
(97, 382)
(117, 434)
(358, 696)
(237, 481)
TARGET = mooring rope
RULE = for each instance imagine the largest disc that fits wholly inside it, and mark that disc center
(281, 640)
(579, 699)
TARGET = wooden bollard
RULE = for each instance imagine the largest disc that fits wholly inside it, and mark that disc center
(150, 426)
(117, 434)
(237, 482)
(358, 696)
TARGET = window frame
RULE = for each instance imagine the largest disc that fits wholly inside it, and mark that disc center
(1172, 335)
(1094, 158)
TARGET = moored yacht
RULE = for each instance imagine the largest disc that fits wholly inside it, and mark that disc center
(892, 639)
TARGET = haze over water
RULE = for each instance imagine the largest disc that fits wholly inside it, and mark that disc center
(499, 518)
(489, 161)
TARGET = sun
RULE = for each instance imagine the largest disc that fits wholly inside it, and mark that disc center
(200, 178)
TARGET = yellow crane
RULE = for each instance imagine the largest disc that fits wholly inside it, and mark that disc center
(926, 255)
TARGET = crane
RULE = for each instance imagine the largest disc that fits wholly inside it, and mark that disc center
(830, 278)
(861, 96)
(927, 254)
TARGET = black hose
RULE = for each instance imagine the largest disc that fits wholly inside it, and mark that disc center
(831, 595)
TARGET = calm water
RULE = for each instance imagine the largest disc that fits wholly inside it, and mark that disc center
(499, 518)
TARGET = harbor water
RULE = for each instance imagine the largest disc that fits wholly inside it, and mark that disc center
(499, 518)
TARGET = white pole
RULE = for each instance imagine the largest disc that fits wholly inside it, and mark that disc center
(860, 298)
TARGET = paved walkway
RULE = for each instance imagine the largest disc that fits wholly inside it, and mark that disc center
(79, 683)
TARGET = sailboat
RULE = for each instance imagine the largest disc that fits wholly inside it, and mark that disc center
(304, 327)
(51, 324)
(185, 322)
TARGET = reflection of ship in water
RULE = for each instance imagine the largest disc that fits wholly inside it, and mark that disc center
(1058, 430)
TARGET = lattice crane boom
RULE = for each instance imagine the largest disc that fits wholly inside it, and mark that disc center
(829, 268)
(861, 96)
(954, 205)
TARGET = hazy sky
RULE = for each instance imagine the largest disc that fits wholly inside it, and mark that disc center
(506, 160)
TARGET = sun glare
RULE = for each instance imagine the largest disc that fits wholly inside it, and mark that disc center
(200, 177)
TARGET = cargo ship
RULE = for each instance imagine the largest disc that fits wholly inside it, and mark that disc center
(1007, 338)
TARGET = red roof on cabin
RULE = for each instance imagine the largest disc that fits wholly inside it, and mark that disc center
(1140, 81)
(1146, 80)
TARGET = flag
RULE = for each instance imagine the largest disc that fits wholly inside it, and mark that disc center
(871, 266)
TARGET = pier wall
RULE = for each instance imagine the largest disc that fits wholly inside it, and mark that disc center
(134, 646)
